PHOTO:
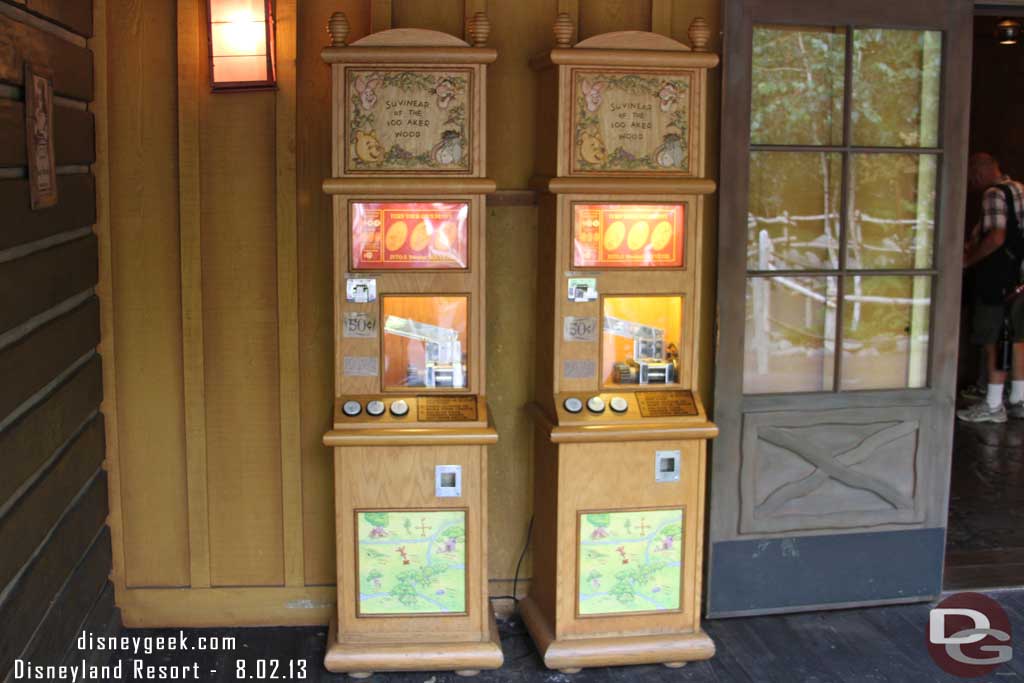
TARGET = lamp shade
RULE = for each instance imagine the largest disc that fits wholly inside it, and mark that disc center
(241, 44)
(1008, 32)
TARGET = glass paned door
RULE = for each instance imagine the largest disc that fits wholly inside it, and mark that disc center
(842, 184)
(841, 192)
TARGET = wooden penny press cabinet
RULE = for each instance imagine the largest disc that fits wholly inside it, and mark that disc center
(410, 430)
(621, 436)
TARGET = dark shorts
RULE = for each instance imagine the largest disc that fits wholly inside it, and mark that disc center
(987, 321)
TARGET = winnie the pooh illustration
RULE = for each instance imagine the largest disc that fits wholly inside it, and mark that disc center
(591, 147)
(368, 147)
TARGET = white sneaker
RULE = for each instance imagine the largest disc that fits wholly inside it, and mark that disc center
(1016, 410)
(982, 412)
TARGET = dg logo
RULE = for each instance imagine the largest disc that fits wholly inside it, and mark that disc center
(969, 635)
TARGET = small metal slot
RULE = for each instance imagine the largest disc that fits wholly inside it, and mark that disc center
(448, 481)
(666, 465)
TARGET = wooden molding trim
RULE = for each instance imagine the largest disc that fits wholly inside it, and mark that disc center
(401, 186)
(481, 436)
(409, 55)
(623, 186)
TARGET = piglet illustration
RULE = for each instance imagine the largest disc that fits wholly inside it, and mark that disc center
(401, 551)
(592, 93)
(366, 88)
(621, 550)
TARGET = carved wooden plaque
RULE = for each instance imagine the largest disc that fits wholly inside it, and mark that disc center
(446, 408)
(408, 120)
(666, 403)
(629, 121)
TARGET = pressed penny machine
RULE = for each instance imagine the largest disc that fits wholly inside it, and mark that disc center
(620, 433)
(410, 430)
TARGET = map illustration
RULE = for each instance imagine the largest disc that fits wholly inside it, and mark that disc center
(630, 561)
(411, 561)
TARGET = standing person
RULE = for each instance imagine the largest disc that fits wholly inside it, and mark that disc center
(995, 248)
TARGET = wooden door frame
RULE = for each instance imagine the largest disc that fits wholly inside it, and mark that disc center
(739, 19)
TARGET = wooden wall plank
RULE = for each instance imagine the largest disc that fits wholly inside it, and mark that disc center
(29, 442)
(602, 16)
(75, 209)
(313, 151)
(438, 15)
(146, 301)
(520, 31)
(288, 292)
(37, 282)
(26, 524)
(191, 76)
(71, 65)
(74, 15)
(64, 621)
(72, 135)
(240, 345)
(33, 361)
(31, 594)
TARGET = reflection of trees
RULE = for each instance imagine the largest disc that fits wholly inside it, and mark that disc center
(795, 197)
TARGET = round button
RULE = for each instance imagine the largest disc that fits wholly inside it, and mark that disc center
(399, 408)
(618, 404)
(375, 408)
(351, 408)
(595, 404)
(573, 404)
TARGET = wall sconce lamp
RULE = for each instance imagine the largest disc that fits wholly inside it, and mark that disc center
(241, 36)
(1008, 31)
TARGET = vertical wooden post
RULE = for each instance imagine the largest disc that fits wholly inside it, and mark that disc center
(191, 72)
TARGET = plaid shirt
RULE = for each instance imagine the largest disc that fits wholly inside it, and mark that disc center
(993, 205)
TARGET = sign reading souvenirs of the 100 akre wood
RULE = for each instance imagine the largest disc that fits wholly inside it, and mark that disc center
(408, 120)
(633, 121)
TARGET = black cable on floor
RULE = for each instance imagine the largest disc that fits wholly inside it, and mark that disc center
(519, 564)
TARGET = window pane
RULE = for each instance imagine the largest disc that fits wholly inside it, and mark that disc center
(885, 332)
(892, 202)
(896, 77)
(793, 210)
(797, 85)
(790, 334)
(640, 340)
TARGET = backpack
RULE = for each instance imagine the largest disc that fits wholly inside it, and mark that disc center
(999, 272)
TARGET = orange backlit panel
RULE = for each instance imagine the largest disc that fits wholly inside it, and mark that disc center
(410, 235)
(628, 235)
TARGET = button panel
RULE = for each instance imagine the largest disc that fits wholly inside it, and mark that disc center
(351, 408)
(375, 408)
(573, 405)
(619, 404)
(595, 404)
(399, 408)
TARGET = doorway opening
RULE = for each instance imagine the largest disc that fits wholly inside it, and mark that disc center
(985, 537)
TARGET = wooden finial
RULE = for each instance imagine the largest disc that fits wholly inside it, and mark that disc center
(564, 30)
(699, 33)
(338, 27)
(479, 29)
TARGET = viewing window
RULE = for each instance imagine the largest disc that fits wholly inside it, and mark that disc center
(425, 341)
(640, 338)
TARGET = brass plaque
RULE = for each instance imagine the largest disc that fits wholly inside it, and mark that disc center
(446, 408)
(666, 403)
